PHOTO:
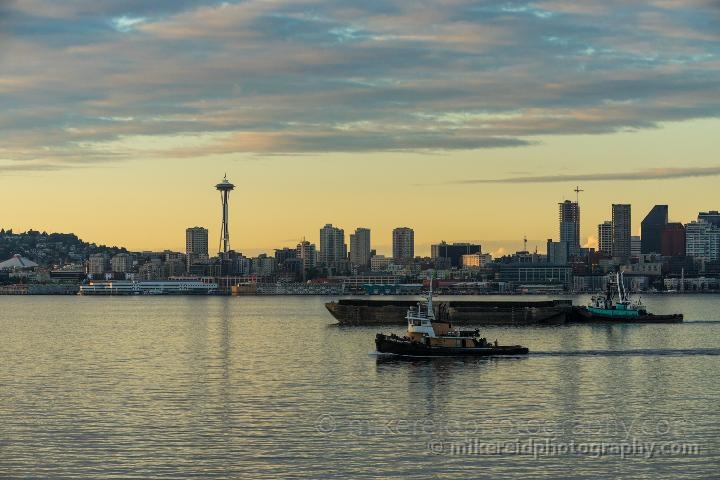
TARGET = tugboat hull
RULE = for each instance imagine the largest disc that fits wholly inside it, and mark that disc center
(584, 315)
(402, 346)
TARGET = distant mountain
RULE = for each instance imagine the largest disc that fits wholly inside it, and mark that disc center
(49, 249)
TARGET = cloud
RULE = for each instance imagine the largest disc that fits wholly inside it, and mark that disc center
(127, 24)
(293, 77)
(592, 242)
(649, 174)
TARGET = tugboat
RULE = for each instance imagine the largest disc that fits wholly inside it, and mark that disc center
(431, 337)
(606, 308)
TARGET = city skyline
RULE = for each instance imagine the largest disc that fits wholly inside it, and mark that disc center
(451, 119)
(591, 241)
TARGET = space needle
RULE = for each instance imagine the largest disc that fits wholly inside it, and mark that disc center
(224, 187)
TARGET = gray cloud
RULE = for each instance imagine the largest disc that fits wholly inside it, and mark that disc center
(84, 78)
(649, 174)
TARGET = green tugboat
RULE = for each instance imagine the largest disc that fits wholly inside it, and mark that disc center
(609, 308)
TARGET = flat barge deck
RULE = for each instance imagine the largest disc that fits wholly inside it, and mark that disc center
(356, 311)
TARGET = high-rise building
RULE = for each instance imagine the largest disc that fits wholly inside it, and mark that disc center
(569, 217)
(332, 245)
(196, 241)
(621, 224)
(713, 216)
(307, 253)
(403, 240)
(453, 253)
(196, 245)
(702, 240)
(360, 247)
(651, 229)
(605, 237)
(673, 240)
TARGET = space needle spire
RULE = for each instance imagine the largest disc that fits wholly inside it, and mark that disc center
(224, 187)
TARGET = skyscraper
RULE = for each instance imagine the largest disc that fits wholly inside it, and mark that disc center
(702, 240)
(403, 244)
(196, 241)
(196, 244)
(306, 252)
(569, 217)
(621, 217)
(605, 237)
(332, 245)
(360, 247)
(651, 229)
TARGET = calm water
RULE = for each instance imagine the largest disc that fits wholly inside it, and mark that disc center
(185, 387)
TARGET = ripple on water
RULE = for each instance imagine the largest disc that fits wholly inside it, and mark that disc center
(208, 388)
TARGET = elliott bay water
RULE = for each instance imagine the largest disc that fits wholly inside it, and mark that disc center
(268, 387)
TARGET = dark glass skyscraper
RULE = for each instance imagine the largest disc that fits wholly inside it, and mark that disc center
(621, 230)
(651, 229)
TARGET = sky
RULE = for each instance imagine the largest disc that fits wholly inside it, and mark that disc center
(466, 120)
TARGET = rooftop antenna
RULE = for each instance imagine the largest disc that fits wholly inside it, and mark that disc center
(577, 194)
(525, 243)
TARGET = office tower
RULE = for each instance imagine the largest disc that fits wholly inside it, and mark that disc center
(453, 253)
(307, 253)
(605, 237)
(621, 217)
(224, 187)
(360, 247)
(196, 245)
(332, 245)
(713, 216)
(403, 240)
(569, 216)
(652, 227)
(702, 240)
(673, 240)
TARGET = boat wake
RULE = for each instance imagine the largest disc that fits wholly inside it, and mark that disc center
(649, 352)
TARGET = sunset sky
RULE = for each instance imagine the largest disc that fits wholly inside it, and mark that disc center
(466, 120)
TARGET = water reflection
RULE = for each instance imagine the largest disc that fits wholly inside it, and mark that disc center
(233, 387)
